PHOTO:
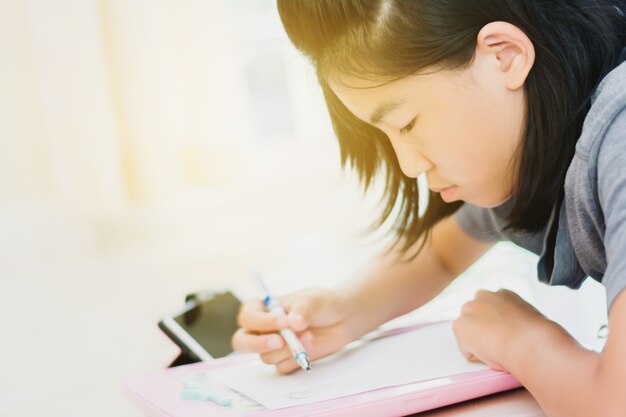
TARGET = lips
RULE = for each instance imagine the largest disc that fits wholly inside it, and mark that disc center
(439, 189)
(446, 193)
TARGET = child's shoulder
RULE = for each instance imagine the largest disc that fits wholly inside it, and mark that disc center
(613, 85)
(608, 105)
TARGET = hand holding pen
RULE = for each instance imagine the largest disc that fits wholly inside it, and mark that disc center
(300, 355)
(317, 316)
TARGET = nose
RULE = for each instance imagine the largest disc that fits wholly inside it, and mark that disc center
(411, 160)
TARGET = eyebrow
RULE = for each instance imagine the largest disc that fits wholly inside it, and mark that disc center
(383, 109)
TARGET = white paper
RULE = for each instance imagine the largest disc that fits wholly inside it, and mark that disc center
(426, 353)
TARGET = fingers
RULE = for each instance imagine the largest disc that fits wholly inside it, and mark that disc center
(299, 310)
(307, 310)
(283, 358)
(297, 321)
(275, 356)
(287, 366)
(311, 308)
(244, 341)
(253, 317)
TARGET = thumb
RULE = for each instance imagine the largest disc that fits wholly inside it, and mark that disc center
(316, 308)
(300, 313)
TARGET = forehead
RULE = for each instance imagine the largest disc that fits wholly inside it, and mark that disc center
(364, 98)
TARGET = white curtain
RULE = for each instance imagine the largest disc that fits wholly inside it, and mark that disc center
(105, 103)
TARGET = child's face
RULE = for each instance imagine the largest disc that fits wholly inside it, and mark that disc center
(462, 128)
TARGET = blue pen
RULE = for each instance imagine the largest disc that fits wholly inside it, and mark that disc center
(272, 306)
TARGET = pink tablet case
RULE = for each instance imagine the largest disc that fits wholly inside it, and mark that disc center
(158, 395)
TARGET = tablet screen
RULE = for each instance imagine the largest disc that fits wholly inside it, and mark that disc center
(212, 323)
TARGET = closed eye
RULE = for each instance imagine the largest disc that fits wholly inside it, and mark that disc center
(407, 129)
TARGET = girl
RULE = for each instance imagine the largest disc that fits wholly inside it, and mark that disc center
(515, 110)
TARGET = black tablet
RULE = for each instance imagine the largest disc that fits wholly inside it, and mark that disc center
(204, 327)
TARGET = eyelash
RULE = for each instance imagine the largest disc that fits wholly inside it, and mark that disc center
(406, 129)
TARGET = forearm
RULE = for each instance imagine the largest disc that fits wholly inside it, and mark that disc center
(565, 378)
(393, 288)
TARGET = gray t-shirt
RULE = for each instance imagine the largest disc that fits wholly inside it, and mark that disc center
(586, 234)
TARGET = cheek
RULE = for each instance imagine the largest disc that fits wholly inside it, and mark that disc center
(472, 138)
(486, 139)
(468, 155)
(457, 149)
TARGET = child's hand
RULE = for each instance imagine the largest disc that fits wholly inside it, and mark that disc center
(319, 318)
(492, 323)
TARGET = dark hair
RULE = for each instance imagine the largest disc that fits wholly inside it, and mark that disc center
(576, 43)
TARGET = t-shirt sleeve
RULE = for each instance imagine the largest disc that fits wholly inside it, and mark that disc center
(611, 171)
(478, 222)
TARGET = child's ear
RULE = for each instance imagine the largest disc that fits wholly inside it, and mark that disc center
(513, 50)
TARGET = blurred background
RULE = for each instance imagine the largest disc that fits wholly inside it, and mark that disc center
(149, 149)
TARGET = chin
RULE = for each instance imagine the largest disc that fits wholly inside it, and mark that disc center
(487, 202)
